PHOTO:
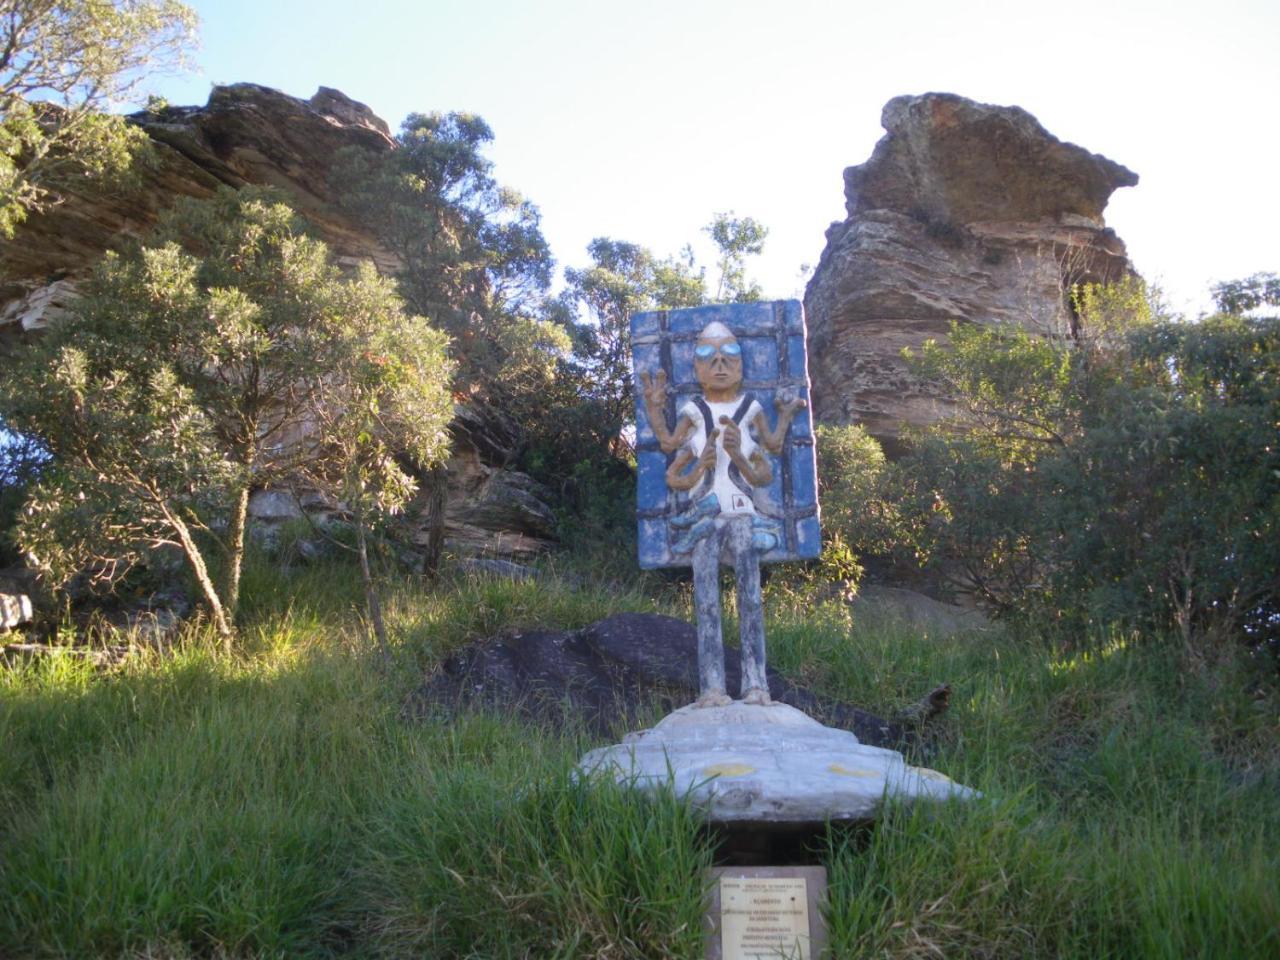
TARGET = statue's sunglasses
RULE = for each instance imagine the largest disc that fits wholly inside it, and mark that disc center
(705, 351)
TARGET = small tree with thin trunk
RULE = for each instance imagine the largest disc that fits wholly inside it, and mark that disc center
(385, 406)
(193, 371)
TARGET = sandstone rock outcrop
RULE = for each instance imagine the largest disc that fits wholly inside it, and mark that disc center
(250, 134)
(964, 212)
(245, 134)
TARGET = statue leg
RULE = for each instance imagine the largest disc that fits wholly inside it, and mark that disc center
(706, 608)
(755, 682)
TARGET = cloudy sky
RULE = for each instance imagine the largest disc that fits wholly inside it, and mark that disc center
(639, 120)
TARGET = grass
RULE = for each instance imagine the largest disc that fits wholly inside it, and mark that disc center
(277, 804)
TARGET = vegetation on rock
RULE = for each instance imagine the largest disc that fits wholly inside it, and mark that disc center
(194, 371)
(1126, 473)
(63, 65)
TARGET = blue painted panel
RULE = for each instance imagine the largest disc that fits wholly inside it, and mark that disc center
(651, 493)
(802, 425)
(796, 356)
(759, 358)
(682, 364)
(744, 319)
(791, 496)
(808, 539)
(644, 326)
(793, 317)
(653, 544)
(802, 479)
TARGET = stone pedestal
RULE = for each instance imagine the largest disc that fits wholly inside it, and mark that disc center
(767, 766)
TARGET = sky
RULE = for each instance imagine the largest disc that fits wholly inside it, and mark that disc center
(639, 120)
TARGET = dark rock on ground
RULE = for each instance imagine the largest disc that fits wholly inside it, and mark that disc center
(610, 676)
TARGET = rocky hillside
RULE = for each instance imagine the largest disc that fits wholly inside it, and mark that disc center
(964, 212)
(249, 134)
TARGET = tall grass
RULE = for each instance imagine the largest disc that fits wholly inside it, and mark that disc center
(278, 803)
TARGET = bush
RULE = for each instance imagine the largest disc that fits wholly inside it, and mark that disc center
(1128, 474)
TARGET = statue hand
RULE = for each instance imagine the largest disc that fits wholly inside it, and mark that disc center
(732, 437)
(790, 403)
(708, 459)
(654, 387)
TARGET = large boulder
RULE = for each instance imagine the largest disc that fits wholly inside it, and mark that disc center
(245, 134)
(965, 212)
(610, 676)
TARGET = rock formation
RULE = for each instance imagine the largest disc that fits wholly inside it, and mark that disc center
(964, 212)
(609, 676)
(249, 134)
(245, 134)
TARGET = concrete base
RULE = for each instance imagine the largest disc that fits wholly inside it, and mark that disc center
(765, 765)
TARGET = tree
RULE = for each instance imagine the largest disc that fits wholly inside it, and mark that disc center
(1125, 475)
(474, 258)
(858, 504)
(623, 279)
(736, 238)
(1242, 296)
(384, 407)
(63, 64)
(196, 369)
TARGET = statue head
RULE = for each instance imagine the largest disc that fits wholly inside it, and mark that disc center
(717, 362)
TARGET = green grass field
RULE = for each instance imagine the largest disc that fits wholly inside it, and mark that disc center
(276, 803)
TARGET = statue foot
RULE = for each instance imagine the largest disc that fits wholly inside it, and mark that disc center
(715, 698)
(757, 697)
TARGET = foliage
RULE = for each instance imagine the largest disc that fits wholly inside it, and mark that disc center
(194, 370)
(385, 405)
(63, 63)
(1251, 293)
(736, 238)
(856, 487)
(623, 279)
(1128, 474)
(575, 439)
(473, 256)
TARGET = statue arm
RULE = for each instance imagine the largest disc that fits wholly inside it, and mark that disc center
(654, 389)
(677, 479)
(772, 440)
(756, 469)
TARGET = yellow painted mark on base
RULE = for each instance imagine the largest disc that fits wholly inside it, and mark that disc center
(727, 770)
(853, 772)
(931, 774)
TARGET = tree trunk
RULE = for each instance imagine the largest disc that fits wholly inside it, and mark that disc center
(370, 594)
(235, 552)
(433, 518)
(221, 623)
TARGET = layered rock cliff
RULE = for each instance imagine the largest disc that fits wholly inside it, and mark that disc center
(249, 134)
(965, 212)
(245, 134)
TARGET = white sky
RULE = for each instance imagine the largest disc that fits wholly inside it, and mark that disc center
(639, 120)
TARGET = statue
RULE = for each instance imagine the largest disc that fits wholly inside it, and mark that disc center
(725, 476)
(719, 470)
